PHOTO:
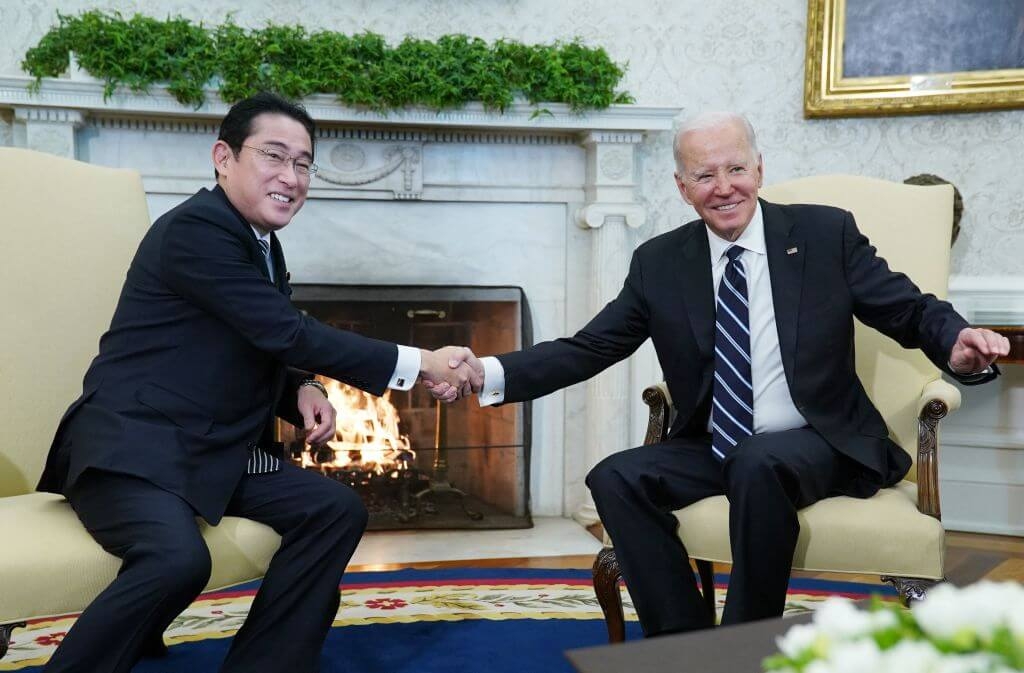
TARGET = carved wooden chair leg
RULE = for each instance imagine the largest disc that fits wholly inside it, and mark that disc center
(606, 586)
(910, 589)
(706, 570)
(5, 635)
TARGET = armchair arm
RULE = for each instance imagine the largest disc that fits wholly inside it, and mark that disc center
(659, 399)
(937, 399)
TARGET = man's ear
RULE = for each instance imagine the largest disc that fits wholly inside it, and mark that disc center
(222, 156)
(681, 186)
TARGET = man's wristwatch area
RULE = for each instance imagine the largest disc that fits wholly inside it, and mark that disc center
(315, 384)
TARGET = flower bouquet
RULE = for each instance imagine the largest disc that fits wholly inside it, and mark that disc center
(977, 629)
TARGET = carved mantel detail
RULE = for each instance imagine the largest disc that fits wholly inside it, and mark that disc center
(398, 170)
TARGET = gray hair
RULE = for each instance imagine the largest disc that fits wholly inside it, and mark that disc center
(707, 120)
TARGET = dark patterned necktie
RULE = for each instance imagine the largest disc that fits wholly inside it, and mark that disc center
(732, 413)
(261, 462)
(265, 247)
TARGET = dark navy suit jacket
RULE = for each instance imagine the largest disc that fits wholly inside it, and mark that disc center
(202, 351)
(834, 276)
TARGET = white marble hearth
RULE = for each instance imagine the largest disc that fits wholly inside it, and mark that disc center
(418, 197)
(550, 536)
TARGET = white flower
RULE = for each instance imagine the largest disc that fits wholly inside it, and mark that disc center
(966, 663)
(953, 614)
(842, 638)
(910, 656)
(800, 637)
(855, 657)
(818, 666)
(838, 619)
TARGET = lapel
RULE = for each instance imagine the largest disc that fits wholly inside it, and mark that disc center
(696, 286)
(786, 270)
(280, 268)
(255, 251)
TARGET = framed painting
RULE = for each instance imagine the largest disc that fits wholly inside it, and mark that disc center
(883, 57)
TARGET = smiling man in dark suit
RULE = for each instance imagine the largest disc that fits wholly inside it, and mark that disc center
(751, 311)
(177, 410)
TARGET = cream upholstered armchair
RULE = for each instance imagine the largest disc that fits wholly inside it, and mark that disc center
(69, 232)
(897, 533)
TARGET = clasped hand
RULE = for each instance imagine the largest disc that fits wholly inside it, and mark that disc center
(451, 373)
(975, 349)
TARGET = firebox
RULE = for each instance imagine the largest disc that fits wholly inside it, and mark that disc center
(415, 462)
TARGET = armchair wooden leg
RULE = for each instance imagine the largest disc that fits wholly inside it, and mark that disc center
(5, 636)
(706, 570)
(606, 585)
(910, 589)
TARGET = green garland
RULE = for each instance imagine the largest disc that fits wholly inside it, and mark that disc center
(361, 70)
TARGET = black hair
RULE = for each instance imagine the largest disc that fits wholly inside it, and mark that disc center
(237, 123)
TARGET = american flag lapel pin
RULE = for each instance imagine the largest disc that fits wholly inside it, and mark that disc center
(791, 251)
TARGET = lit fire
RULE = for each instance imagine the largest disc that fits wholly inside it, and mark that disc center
(367, 437)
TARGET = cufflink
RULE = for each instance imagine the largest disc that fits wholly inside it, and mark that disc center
(400, 382)
(495, 394)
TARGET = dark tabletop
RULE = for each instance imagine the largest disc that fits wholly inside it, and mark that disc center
(731, 649)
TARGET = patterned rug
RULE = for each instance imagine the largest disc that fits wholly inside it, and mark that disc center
(459, 620)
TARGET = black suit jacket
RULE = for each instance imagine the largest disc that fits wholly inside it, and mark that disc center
(202, 350)
(834, 276)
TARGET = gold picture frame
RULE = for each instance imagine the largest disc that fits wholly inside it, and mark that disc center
(828, 93)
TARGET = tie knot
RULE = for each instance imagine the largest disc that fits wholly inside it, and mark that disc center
(264, 246)
(734, 252)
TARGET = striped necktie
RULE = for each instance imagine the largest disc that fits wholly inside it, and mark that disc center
(732, 415)
(265, 247)
(260, 461)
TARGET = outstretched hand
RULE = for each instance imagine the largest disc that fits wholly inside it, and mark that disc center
(451, 373)
(975, 349)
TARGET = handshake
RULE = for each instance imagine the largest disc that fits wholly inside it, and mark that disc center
(451, 373)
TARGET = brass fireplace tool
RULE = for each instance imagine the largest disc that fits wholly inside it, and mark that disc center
(439, 482)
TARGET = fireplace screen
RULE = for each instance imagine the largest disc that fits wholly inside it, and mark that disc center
(417, 463)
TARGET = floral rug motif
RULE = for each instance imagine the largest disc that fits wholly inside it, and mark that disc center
(416, 597)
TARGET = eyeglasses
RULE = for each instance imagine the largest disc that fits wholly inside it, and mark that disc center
(276, 158)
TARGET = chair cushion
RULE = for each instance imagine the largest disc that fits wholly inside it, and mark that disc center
(52, 566)
(881, 535)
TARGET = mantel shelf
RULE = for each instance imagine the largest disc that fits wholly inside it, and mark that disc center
(87, 96)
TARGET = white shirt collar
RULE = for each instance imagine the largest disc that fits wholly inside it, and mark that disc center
(262, 237)
(751, 239)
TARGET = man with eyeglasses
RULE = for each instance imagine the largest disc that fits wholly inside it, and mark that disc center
(176, 416)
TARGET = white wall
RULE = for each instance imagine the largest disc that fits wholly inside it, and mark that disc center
(743, 54)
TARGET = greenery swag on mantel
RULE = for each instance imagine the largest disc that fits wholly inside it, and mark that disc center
(361, 70)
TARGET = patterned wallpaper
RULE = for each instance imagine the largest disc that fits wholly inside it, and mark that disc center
(745, 55)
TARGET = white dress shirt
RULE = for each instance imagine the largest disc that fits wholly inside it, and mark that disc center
(774, 410)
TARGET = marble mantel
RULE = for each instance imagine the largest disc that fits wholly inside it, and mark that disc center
(547, 201)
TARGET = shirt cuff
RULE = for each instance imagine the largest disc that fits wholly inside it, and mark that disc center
(971, 376)
(407, 369)
(493, 391)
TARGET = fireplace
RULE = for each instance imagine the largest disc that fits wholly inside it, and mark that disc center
(417, 463)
